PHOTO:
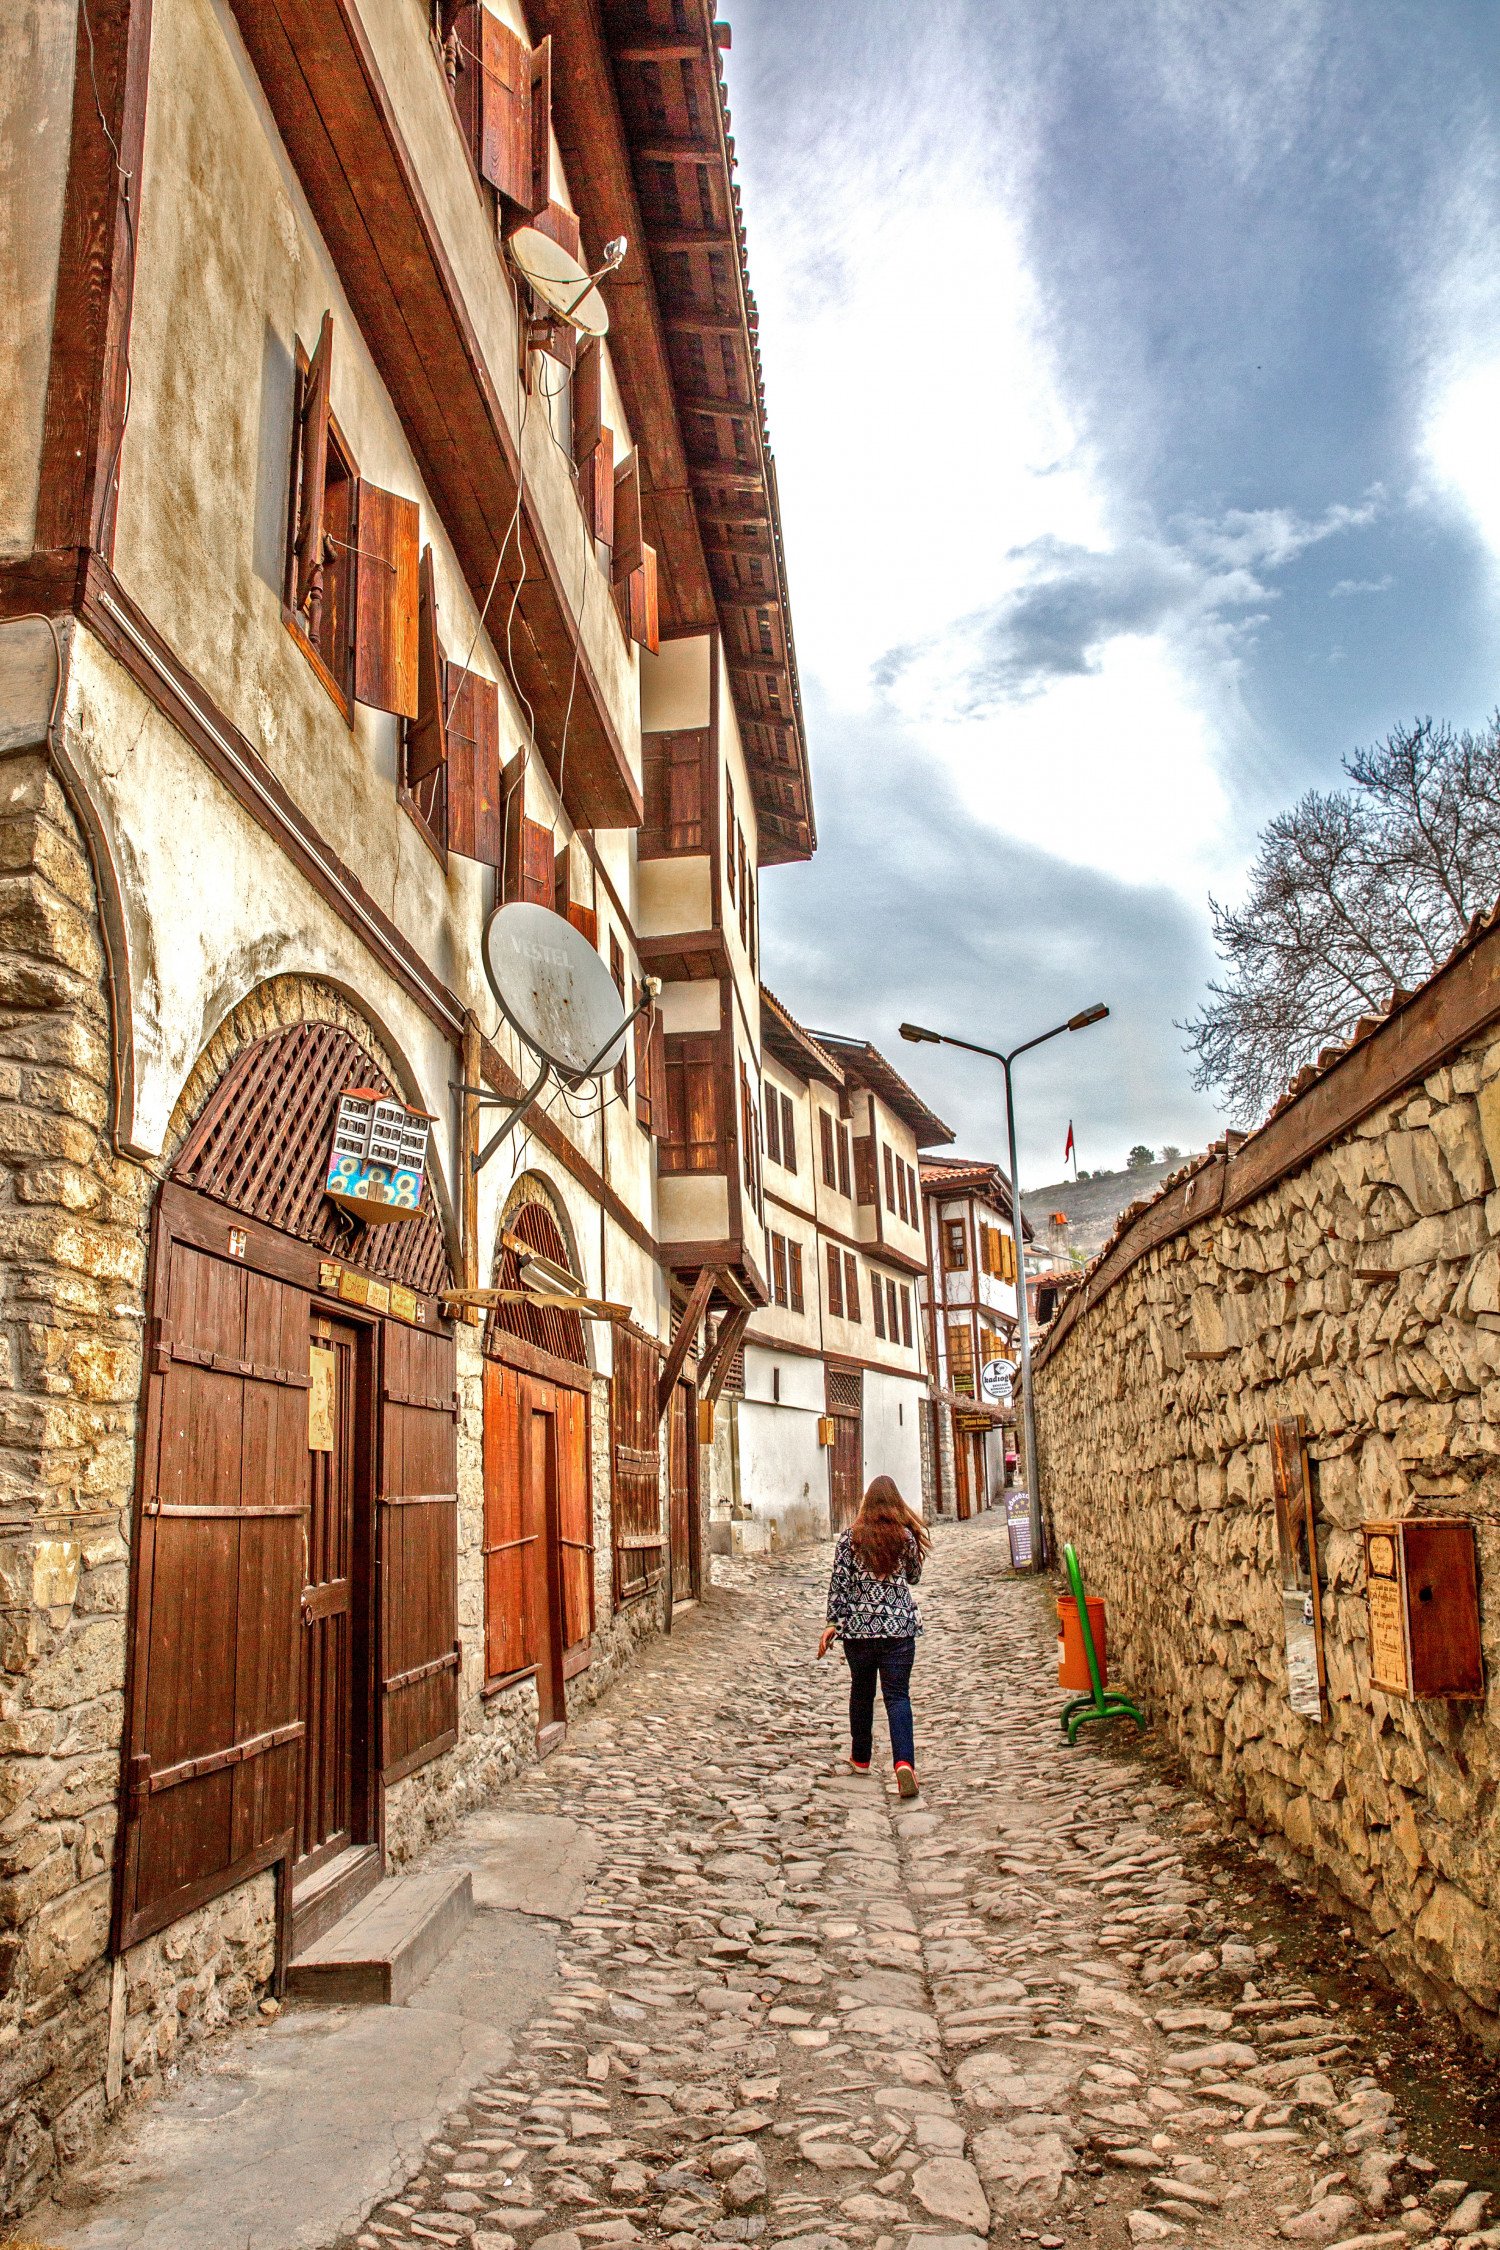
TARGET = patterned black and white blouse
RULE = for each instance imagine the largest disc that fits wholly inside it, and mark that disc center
(866, 1608)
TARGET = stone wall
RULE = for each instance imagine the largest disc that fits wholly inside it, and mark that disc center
(1359, 1288)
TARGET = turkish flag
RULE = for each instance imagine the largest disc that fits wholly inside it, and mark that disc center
(1068, 1149)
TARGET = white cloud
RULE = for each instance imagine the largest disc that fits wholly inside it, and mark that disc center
(1463, 445)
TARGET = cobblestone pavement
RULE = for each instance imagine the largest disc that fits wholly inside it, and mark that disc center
(795, 2010)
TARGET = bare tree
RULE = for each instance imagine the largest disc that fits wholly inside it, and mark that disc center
(1354, 892)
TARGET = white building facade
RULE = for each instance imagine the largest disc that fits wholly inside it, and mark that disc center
(969, 1311)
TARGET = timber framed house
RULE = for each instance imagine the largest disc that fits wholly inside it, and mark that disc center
(969, 1312)
(344, 594)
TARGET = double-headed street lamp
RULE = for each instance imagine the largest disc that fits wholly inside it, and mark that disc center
(1080, 1022)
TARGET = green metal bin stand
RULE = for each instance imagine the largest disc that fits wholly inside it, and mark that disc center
(1100, 1704)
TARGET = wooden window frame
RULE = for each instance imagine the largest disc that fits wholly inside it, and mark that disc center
(337, 678)
(955, 1247)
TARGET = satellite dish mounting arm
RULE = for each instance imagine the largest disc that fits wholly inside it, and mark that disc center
(517, 1112)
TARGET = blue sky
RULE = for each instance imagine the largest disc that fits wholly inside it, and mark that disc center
(1133, 370)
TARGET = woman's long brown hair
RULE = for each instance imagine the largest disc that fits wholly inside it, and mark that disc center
(879, 1532)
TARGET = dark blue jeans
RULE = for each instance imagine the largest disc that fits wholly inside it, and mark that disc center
(890, 1662)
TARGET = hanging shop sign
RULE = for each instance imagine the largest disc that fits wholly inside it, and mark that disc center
(995, 1380)
(1422, 1592)
(379, 1156)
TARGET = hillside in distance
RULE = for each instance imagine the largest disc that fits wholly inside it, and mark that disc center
(1090, 1206)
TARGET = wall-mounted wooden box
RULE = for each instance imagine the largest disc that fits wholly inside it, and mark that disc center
(1422, 1586)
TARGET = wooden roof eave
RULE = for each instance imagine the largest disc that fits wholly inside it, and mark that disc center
(683, 499)
(319, 75)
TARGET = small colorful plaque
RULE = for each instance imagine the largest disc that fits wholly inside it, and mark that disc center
(379, 1156)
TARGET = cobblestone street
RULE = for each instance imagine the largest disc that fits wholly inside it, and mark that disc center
(794, 2010)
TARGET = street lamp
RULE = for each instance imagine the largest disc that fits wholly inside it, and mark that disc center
(1080, 1022)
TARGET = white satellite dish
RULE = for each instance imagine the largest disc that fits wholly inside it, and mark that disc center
(554, 990)
(564, 286)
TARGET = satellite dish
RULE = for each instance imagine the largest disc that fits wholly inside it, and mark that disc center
(558, 279)
(554, 990)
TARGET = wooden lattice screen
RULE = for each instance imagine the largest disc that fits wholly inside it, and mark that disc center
(262, 1146)
(845, 1391)
(546, 1326)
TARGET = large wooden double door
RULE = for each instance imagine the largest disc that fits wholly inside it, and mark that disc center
(538, 1535)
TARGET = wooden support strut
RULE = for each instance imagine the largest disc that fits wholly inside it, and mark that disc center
(715, 1374)
(685, 1338)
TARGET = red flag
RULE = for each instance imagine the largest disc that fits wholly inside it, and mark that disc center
(1068, 1150)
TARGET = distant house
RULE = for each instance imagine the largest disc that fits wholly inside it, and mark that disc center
(835, 1376)
(969, 1312)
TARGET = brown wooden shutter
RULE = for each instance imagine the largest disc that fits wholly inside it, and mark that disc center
(794, 1274)
(692, 1139)
(778, 1268)
(673, 768)
(537, 875)
(386, 600)
(890, 1176)
(864, 1168)
(541, 127)
(629, 540)
(843, 1148)
(877, 1305)
(657, 1053)
(617, 971)
(418, 1548)
(494, 103)
(788, 1133)
(773, 1124)
(636, 1493)
(730, 827)
(575, 1517)
(835, 1282)
(830, 1161)
(475, 821)
(642, 610)
(851, 1286)
(596, 488)
(313, 466)
(213, 1742)
(509, 1538)
(560, 225)
(642, 1064)
(427, 733)
(906, 1316)
(585, 920)
(587, 398)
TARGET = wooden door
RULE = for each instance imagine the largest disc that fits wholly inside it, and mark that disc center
(419, 1647)
(680, 1482)
(962, 1493)
(544, 1589)
(845, 1462)
(213, 1740)
(332, 1808)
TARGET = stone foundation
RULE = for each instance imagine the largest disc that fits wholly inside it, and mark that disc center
(1361, 1291)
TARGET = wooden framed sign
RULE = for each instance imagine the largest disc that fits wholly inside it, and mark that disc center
(1301, 1594)
(1422, 1595)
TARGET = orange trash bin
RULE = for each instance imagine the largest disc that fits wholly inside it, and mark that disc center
(1072, 1658)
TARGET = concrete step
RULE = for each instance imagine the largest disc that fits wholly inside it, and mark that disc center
(382, 1949)
(333, 1890)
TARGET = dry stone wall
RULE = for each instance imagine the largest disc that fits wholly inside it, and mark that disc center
(1154, 1414)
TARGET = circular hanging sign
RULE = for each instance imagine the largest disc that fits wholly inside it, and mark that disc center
(995, 1379)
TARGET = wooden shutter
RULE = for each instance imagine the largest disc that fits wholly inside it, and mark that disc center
(629, 540)
(778, 1269)
(494, 103)
(773, 1124)
(730, 828)
(906, 1316)
(641, 608)
(794, 1275)
(851, 1286)
(575, 1517)
(961, 1359)
(890, 1176)
(213, 1733)
(427, 734)
(537, 875)
(560, 225)
(835, 1282)
(877, 1305)
(418, 1548)
(843, 1148)
(596, 488)
(540, 192)
(892, 1309)
(675, 771)
(475, 821)
(825, 1136)
(692, 1139)
(313, 466)
(657, 1056)
(386, 600)
(955, 1246)
(585, 919)
(788, 1133)
(593, 444)
(864, 1168)
(635, 1431)
(642, 1032)
(509, 1536)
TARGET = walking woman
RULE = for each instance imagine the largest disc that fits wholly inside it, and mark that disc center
(876, 1563)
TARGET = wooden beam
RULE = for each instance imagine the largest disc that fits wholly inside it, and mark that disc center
(691, 238)
(659, 46)
(685, 1338)
(713, 1377)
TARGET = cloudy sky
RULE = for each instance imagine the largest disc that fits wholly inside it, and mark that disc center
(1133, 370)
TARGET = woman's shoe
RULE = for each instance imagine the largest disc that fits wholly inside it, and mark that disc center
(906, 1781)
(856, 1767)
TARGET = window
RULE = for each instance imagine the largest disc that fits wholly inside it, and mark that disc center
(691, 1070)
(830, 1160)
(851, 1287)
(788, 1133)
(835, 1283)
(675, 779)
(776, 1386)
(877, 1305)
(750, 1139)
(991, 1346)
(503, 89)
(771, 1103)
(778, 1269)
(843, 1160)
(794, 1275)
(955, 1246)
(739, 838)
(914, 1197)
(906, 1330)
(961, 1359)
(888, 1153)
(731, 830)
(892, 1309)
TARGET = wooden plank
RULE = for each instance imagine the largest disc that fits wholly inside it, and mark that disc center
(685, 1339)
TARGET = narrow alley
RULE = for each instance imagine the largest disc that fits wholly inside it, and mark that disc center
(787, 2008)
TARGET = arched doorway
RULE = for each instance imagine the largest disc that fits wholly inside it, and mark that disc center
(538, 1489)
(298, 1451)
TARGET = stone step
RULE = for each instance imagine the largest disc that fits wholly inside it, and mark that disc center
(382, 1949)
(333, 1890)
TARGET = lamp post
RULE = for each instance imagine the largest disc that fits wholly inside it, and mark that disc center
(1080, 1022)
